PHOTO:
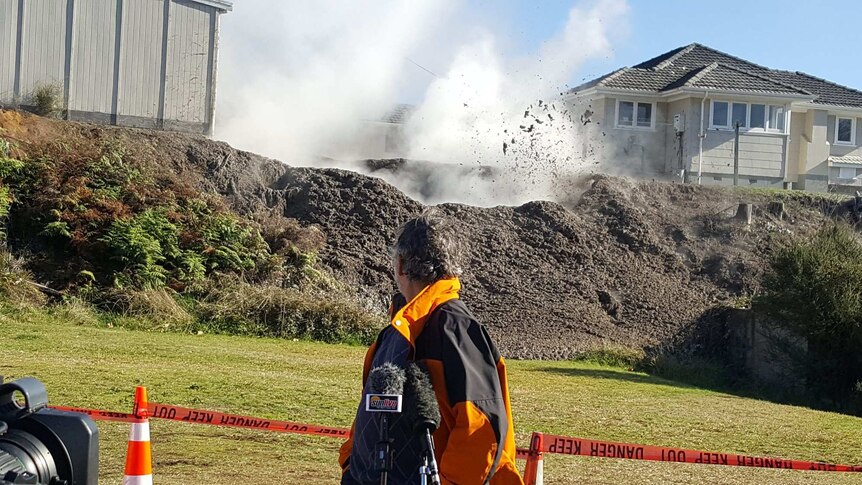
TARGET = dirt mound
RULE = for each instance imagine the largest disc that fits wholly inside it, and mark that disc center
(619, 262)
(622, 262)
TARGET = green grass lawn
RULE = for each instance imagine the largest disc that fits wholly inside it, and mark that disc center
(316, 383)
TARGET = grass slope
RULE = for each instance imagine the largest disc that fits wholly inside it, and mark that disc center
(318, 383)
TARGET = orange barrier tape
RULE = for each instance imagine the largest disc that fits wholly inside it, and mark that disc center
(546, 443)
(177, 413)
(100, 415)
(605, 449)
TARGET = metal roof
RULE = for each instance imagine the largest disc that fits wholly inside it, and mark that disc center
(222, 5)
(699, 66)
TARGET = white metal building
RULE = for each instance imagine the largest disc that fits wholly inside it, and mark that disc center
(142, 63)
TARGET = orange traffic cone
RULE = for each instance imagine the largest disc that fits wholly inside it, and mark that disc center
(139, 459)
(534, 473)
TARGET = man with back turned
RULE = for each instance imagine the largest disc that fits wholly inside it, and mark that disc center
(431, 326)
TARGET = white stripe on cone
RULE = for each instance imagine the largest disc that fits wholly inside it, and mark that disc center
(140, 432)
(138, 480)
(540, 471)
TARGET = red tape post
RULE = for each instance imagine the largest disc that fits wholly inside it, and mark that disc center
(605, 449)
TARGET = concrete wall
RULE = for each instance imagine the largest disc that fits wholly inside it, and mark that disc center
(130, 62)
(764, 350)
(377, 140)
(636, 150)
(687, 146)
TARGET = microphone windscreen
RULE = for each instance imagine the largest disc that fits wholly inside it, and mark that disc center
(427, 412)
(386, 379)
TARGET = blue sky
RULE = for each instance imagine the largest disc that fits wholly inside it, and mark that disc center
(761, 31)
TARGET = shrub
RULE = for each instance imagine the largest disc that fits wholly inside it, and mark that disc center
(266, 310)
(815, 289)
(47, 99)
(15, 282)
(8, 166)
(156, 308)
(142, 244)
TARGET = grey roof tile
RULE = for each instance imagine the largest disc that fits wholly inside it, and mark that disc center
(696, 65)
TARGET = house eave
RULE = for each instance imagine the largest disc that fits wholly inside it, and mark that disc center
(683, 92)
(832, 108)
(699, 92)
(222, 5)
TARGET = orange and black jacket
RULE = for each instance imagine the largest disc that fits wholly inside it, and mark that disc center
(475, 442)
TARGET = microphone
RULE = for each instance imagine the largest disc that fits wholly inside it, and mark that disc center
(425, 414)
(385, 386)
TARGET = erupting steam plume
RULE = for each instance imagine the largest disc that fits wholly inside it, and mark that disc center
(298, 79)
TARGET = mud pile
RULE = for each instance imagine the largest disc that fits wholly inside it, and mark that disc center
(621, 263)
(618, 263)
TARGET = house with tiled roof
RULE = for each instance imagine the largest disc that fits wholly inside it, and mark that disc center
(677, 114)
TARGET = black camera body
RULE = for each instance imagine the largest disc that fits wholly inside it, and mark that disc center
(43, 446)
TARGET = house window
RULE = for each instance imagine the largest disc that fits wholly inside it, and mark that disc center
(758, 116)
(845, 173)
(845, 131)
(644, 115)
(739, 115)
(719, 114)
(634, 114)
(776, 118)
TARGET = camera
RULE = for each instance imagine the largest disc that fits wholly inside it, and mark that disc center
(43, 446)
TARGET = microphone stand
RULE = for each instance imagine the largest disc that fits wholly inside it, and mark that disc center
(383, 451)
(428, 472)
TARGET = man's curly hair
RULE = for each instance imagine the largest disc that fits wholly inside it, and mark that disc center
(428, 248)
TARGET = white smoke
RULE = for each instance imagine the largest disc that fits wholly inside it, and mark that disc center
(299, 79)
(487, 99)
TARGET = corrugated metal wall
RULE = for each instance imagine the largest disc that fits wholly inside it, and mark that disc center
(43, 35)
(130, 62)
(8, 43)
(143, 38)
(92, 74)
(187, 68)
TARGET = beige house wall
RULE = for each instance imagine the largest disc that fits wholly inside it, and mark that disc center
(796, 141)
(836, 149)
(814, 173)
(765, 159)
(636, 150)
(759, 155)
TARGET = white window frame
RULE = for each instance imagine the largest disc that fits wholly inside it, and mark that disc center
(747, 126)
(852, 142)
(842, 171)
(634, 125)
